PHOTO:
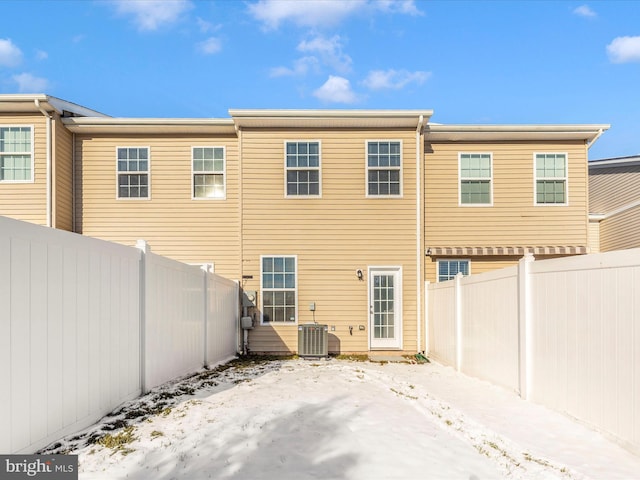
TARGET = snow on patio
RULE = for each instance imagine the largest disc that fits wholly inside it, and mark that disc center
(338, 419)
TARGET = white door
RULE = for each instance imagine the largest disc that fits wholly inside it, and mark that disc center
(385, 307)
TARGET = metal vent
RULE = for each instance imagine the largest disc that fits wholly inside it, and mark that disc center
(313, 340)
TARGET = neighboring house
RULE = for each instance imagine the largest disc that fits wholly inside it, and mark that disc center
(614, 203)
(333, 216)
(496, 192)
(36, 184)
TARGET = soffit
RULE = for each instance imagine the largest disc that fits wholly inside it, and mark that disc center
(150, 126)
(497, 133)
(329, 118)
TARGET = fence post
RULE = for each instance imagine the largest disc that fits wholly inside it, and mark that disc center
(458, 307)
(426, 317)
(144, 248)
(205, 285)
(525, 325)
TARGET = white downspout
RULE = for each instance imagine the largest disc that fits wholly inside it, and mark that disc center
(73, 183)
(595, 139)
(419, 256)
(242, 340)
(49, 168)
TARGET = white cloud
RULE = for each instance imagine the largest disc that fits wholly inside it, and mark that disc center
(624, 50)
(10, 54)
(584, 11)
(322, 13)
(152, 14)
(203, 25)
(329, 50)
(41, 55)
(210, 46)
(398, 6)
(393, 79)
(28, 83)
(300, 67)
(336, 90)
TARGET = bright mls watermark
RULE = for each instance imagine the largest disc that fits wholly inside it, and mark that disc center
(51, 467)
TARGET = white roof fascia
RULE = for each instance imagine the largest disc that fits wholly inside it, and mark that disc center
(26, 102)
(63, 105)
(615, 162)
(613, 213)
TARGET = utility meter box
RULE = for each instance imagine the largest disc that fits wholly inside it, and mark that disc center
(249, 298)
(246, 323)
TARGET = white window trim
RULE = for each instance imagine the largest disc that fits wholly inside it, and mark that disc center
(450, 260)
(134, 199)
(366, 166)
(460, 204)
(32, 153)
(262, 322)
(565, 178)
(286, 168)
(224, 173)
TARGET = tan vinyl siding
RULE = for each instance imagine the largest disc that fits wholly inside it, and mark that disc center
(513, 219)
(621, 231)
(62, 177)
(613, 187)
(332, 236)
(28, 201)
(193, 231)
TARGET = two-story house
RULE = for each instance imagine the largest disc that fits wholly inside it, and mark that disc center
(332, 216)
(614, 203)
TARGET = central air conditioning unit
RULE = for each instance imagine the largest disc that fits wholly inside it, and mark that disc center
(313, 340)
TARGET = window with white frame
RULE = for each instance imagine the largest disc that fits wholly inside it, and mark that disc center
(303, 168)
(16, 154)
(475, 178)
(448, 269)
(384, 168)
(278, 278)
(551, 178)
(133, 172)
(208, 165)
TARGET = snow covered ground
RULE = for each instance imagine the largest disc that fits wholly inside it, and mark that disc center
(339, 419)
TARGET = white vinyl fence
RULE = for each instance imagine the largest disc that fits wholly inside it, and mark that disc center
(562, 332)
(86, 325)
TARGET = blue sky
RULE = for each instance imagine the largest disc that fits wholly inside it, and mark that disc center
(471, 62)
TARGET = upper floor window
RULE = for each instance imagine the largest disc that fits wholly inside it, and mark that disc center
(133, 172)
(16, 154)
(208, 166)
(448, 269)
(475, 178)
(384, 168)
(278, 275)
(551, 178)
(303, 168)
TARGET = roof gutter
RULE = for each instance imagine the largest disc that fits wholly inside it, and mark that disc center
(419, 257)
(49, 206)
